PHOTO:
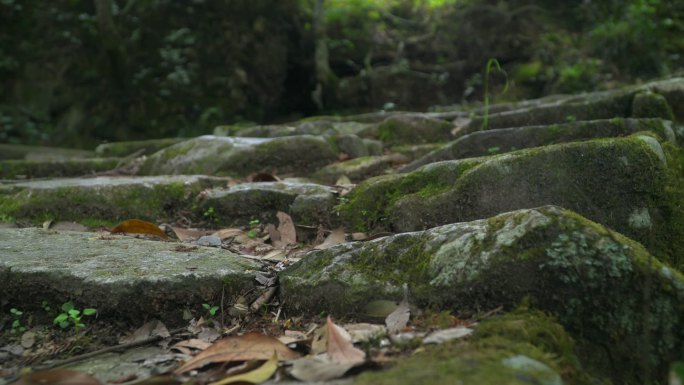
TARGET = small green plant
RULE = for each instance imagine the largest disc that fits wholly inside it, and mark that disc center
(488, 70)
(493, 150)
(17, 327)
(211, 310)
(253, 224)
(72, 316)
(570, 118)
(210, 214)
(46, 306)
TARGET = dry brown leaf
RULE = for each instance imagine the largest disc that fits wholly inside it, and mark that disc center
(292, 336)
(335, 237)
(137, 226)
(359, 236)
(251, 346)
(263, 177)
(273, 234)
(343, 181)
(187, 235)
(340, 348)
(228, 233)
(192, 343)
(318, 368)
(286, 228)
(361, 332)
(149, 329)
(57, 377)
(441, 336)
(398, 319)
(256, 376)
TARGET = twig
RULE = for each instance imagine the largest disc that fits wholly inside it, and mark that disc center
(108, 349)
(263, 298)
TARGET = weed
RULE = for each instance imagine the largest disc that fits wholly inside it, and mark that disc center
(210, 214)
(253, 231)
(493, 150)
(211, 310)
(16, 324)
(72, 316)
(491, 63)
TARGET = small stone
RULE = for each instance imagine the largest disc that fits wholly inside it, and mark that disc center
(209, 240)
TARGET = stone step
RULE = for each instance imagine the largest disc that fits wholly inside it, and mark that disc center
(308, 203)
(28, 169)
(628, 184)
(661, 99)
(122, 277)
(102, 200)
(216, 155)
(604, 287)
(18, 151)
(497, 141)
(142, 147)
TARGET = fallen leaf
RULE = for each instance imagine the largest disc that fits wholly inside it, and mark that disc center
(398, 319)
(359, 236)
(318, 368)
(149, 329)
(57, 377)
(274, 234)
(343, 181)
(228, 233)
(292, 336)
(251, 346)
(286, 228)
(340, 348)
(263, 177)
(137, 226)
(380, 308)
(277, 255)
(185, 248)
(441, 336)
(28, 339)
(361, 332)
(47, 224)
(256, 376)
(192, 343)
(187, 235)
(335, 237)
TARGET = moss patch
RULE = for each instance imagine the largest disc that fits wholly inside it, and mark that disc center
(522, 347)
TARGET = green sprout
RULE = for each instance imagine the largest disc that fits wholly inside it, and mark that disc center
(16, 324)
(210, 214)
(491, 63)
(72, 316)
(252, 233)
(211, 310)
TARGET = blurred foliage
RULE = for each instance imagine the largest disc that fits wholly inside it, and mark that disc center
(72, 74)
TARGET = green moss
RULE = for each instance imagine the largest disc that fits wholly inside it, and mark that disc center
(12, 169)
(110, 205)
(492, 356)
(651, 105)
(370, 203)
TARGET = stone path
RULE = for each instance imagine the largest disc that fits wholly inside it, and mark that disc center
(564, 211)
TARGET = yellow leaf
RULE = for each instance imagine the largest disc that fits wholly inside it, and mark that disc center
(139, 227)
(256, 376)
